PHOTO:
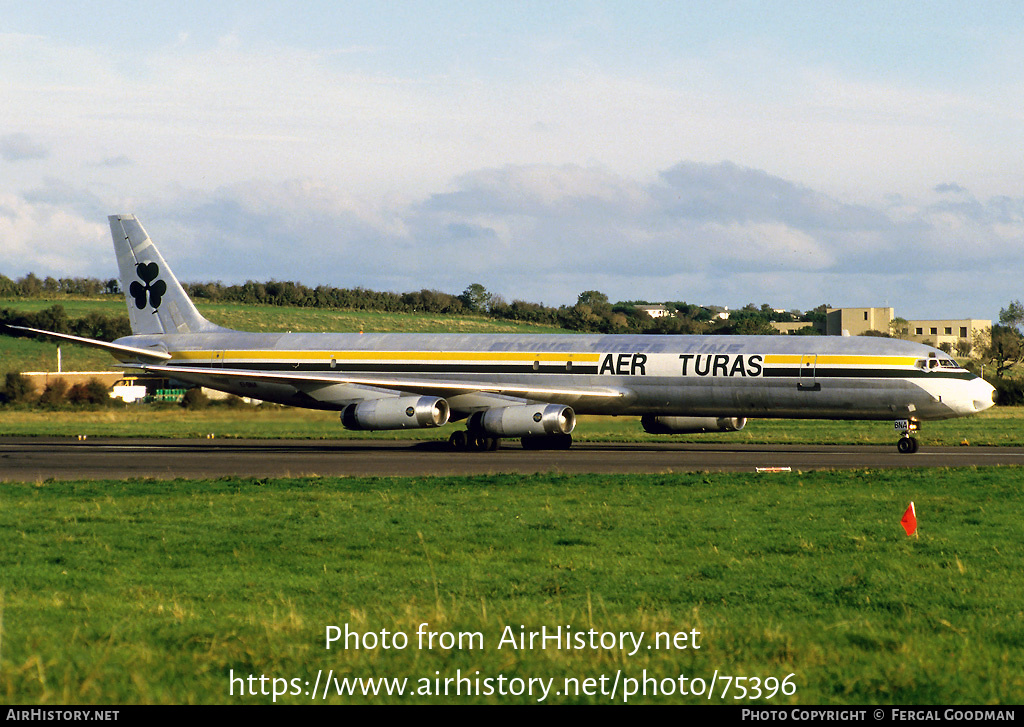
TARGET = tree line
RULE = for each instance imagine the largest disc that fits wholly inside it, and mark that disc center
(32, 286)
(92, 325)
(592, 312)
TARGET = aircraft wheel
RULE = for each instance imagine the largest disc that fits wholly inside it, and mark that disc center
(459, 441)
(482, 443)
(464, 441)
(907, 445)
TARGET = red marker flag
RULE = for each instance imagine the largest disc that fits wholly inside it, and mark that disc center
(909, 521)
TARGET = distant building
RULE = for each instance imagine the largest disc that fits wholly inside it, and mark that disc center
(955, 334)
(791, 326)
(857, 321)
(654, 311)
(39, 380)
(962, 333)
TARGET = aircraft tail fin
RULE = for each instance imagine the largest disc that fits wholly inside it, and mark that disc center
(156, 301)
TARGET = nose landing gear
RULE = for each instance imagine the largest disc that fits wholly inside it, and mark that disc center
(907, 444)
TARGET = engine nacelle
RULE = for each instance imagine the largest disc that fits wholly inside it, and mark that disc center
(401, 412)
(531, 420)
(691, 425)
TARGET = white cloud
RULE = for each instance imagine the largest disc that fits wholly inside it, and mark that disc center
(50, 239)
(703, 233)
(347, 165)
(234, 111)
(21, 147)
(767, 245)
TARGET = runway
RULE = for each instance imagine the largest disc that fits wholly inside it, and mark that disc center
(37, 459)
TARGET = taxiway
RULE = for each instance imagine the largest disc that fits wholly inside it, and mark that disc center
(37, 459)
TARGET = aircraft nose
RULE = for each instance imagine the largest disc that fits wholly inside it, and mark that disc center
(982, 394)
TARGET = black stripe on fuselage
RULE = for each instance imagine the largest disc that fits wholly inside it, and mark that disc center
(836, 373)
(413, 368)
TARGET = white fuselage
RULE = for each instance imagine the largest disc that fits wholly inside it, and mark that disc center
(736, 376)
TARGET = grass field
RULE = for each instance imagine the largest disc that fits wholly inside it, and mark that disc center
(262, 318)
(1001, 426)
(144, 591)
(118, 592)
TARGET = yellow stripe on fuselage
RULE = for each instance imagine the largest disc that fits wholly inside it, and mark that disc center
(826, 359)
(386, 356)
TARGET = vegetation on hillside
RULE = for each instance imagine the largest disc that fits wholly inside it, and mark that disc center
(592, 312)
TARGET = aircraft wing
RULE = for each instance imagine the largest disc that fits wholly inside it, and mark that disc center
(427, 386)
(114, 348)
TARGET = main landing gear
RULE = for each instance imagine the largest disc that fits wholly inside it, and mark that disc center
(465, 441)
(907, 444)
(468, 441)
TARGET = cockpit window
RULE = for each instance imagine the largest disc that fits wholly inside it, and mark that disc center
(934, 364)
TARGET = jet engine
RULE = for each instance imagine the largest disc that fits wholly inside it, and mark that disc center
(691, 425)
(402, 412)
(531, 420)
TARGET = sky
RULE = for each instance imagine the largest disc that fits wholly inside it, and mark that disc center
(726, 153)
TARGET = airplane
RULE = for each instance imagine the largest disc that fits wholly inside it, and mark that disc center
(531, 386)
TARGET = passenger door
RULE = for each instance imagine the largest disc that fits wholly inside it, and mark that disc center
(808, 377)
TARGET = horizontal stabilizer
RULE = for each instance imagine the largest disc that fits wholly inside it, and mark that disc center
(116, 349)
